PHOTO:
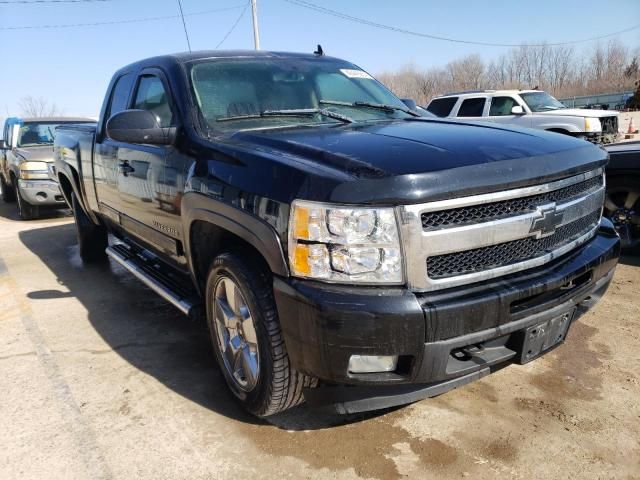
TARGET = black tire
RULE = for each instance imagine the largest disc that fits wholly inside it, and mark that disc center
(26, 211)
(92, 239)
(8, 192)
(279, 386)
(622, 207)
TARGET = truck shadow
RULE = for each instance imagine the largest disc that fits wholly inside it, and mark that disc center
(151, 334)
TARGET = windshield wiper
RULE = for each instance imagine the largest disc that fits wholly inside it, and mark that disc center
(297, 112)
(377, 106)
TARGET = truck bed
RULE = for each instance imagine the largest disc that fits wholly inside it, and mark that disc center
(73, 152)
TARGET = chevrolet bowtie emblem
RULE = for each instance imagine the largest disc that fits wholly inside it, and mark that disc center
(546, 221)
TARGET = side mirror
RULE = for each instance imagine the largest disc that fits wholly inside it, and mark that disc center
(517, 110)
(3, 145)
(139, 126)
(410, 103)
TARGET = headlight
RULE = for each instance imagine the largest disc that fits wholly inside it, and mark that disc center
(344, 244)
(34, 170)
(592, 125)
(34, 174)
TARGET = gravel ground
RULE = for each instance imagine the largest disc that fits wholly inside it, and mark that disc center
(101, 379)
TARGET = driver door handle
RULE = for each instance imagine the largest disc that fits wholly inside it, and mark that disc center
(125, 168)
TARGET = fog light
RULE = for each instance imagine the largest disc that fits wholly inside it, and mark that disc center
(41, 196)
(372, 363)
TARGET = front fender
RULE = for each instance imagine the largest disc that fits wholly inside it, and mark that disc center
(560, 122)
(253, 230)
(561, 126)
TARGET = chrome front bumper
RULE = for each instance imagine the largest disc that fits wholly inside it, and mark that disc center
(41, 192)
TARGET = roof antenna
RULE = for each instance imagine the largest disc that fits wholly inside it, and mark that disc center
(186, 34)
(319, 52)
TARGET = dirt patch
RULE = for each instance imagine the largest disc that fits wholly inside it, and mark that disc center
(369, 447)
(502, 449)
(573, 371)
(557, 412)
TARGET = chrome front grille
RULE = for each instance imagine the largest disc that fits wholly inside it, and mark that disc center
(470, 239)
(486, 258)
(506, 208)
(609, 124)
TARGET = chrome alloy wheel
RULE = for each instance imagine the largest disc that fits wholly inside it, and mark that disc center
(236, 334)
(622, 207)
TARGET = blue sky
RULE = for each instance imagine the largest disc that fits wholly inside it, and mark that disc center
(72, 66)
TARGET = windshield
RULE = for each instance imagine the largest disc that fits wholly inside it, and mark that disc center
(250, 93)
(541, 101)
(37, 133)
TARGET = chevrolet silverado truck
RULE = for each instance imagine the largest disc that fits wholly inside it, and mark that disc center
(528, 108)
(345, 250)
(26, 163)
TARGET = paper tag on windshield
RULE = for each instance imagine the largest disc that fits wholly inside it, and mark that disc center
(355, 73)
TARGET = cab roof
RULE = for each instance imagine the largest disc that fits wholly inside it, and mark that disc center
(186, 57)
(492, 92)
(58, 119)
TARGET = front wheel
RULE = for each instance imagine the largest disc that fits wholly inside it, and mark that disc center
(246, 337)
(622, 207)
(26, 211)
(8, 192)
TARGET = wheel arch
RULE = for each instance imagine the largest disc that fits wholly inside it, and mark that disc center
(563, 131)
(65, 188)
(69, 181)
(210, 226)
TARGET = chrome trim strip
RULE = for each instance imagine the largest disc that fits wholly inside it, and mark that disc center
(182, 305)
(500, 196)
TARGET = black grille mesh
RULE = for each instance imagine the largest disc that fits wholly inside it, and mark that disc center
(486, 258)
(609, 124)
(506, 208)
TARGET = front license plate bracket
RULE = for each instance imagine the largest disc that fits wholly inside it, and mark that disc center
(544, 336)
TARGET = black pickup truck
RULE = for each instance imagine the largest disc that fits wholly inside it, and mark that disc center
(344, 249)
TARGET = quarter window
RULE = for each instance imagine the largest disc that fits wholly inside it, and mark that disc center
(152, 96)
(471, 107)
(501, 106)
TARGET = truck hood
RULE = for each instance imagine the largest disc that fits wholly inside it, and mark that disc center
(35, 154)
(579, 112)
(407, 147)
(415, 160)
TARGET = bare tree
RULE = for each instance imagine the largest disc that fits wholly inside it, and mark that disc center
(38, 107)
(558, 69)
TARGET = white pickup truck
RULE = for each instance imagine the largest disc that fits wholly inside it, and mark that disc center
(528, 108)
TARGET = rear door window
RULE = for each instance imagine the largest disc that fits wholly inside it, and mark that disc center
(442, 107)
(472, 107)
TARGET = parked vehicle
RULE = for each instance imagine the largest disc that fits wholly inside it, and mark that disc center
(344, 249)
(618, 100)
(622, 204)
(528, 108)
(26, 162)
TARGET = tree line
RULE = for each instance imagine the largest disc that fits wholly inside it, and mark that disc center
(560, 70)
